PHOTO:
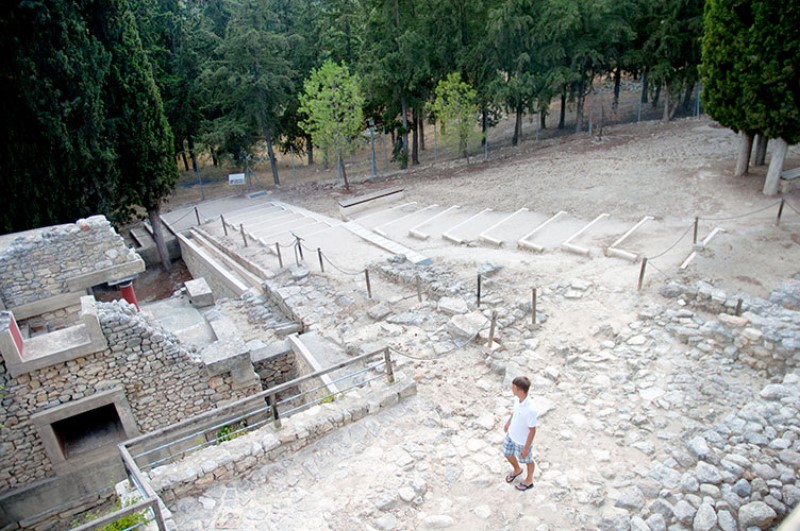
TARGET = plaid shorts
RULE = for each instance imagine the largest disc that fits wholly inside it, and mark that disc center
(511, 448)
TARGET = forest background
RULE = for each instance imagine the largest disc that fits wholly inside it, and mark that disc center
(103, 101)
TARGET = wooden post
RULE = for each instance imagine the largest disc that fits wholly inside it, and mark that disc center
(387, 360)
(780, 212)
(738, 310)
(491, 329)
(641, 274)
(369, 287)
(321, 265)
(696, 223)
(479, 290)
(197, 215)
(278, 252)
(224, 225)
(419, 289)
(244, 236)
(533, 306)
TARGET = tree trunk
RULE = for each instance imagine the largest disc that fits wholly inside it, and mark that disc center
(271, 153)
(579, 106)
(185, 161)
(415, 139)
(192, 154)
(761, 149)
(404, 110)
(772, 182)
(422, 130)
(517, 126)
(344, 173)
(562, 119)
(687, 97)
(656, 96)
(665, 116)
(543, 117)
(154, 215)
(214, 159)
(310, 150)
(644, 87)
(743, 157)
(484, 125)
(617, 83)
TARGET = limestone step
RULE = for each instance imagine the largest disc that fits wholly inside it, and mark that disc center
(386, 244)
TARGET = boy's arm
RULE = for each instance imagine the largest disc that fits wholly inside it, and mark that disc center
(508, 423)
(529, 441)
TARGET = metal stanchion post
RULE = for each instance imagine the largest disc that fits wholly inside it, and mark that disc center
(479, 290)
(278, 252)
(492, 328)
(244, 236)
(696, 224)
(641, 274)
(369, 287)
(197, 215)
(533, 306)
(387, 360)
(224, 225)
(321, 265)
(780, 212)
(419, 290)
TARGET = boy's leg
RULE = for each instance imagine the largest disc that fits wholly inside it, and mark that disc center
(530, 468)
(513, 460)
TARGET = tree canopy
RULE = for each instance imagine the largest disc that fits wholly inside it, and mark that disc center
(103, 99)
(333, 103)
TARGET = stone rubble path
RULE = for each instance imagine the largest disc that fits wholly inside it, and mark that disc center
(434, 461)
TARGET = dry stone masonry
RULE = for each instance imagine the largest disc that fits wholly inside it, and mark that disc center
(40, 266)
(137, 351)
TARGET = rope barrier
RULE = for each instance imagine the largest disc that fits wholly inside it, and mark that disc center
(183, 216)
(743, 215)
(690, 227)
(662, 273)
(339, 268)
(792, 206)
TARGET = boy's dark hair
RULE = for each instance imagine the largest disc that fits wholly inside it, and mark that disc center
(522, 383)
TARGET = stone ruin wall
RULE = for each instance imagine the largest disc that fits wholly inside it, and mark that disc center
(39, 266)
(766, 336)
(276, 370)
(162, 384)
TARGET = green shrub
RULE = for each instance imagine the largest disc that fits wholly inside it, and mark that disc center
(123, 523)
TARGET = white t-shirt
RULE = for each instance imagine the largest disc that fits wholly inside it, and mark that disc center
(522, 420)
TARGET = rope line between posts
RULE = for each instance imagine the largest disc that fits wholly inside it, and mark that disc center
(339, 268)
(673, 245)
(792, 206)
(182, 217)
(743, 215)
(659, 270)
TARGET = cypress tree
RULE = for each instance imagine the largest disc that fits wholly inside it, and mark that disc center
(138, 128)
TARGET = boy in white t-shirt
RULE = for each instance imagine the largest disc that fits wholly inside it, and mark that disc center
(520, 431)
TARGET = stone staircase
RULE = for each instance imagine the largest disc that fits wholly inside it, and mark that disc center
(425, 227)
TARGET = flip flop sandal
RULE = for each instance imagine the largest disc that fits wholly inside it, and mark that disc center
(523, 486)
(511, 477)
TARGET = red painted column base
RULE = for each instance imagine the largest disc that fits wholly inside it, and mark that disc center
(128, 294)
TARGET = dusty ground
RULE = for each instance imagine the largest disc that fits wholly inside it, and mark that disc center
(446, 438)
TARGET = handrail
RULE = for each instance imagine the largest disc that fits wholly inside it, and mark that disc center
(150, 497)
(116, 515)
